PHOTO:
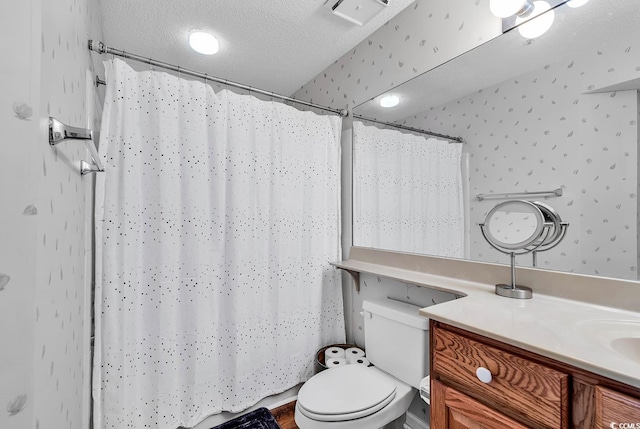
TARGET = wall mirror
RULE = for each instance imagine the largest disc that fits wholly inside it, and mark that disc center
(557, 112)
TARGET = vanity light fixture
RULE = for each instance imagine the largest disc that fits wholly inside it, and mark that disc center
(539, 21)
(576, 3)
(507, 8)
(389, 101)
(533, 18)
(203, 43)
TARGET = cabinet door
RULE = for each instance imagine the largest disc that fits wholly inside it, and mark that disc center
(451, 409)
(535, 391)
(614, 410)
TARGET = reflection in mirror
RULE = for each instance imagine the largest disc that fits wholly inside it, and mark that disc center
(514, 224)
(556, 232)
(407, 192)
(560, 111)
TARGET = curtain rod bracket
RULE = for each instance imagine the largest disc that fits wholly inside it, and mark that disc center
(98, 47)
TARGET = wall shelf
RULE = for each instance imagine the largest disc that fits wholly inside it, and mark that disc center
(355, 275)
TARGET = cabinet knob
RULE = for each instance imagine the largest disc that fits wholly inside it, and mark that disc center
(483, 374)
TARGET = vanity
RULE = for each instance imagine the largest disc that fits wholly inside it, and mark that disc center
(476, 380)
(567, 358)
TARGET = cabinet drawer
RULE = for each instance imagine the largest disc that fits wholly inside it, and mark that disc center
(536, 394)
(614, 407)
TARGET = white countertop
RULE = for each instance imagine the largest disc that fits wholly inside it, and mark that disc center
(576, 331)
(572, 332)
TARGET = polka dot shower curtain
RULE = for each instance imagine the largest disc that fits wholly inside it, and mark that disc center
(216, 219)
(407, 192)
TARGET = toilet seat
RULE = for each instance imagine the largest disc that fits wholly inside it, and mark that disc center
(345, 393)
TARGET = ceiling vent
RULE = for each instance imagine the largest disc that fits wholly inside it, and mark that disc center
(358, 11)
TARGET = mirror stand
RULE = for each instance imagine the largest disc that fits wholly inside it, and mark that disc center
(510, 290)
(518, 227)
(513, 290)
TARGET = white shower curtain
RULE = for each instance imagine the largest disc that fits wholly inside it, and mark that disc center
(216, 218)
(407, 192)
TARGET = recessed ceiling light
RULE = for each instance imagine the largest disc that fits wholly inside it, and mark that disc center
(389, 101)
(203, 43)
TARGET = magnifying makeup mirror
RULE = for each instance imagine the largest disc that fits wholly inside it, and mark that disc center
(557, 231)
(517, 227)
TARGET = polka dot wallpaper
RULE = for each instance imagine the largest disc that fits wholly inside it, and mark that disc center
(19, 94)
(44, 246)
(545, 130)
(424, 35)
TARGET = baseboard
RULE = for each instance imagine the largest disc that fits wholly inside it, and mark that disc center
(413, 422)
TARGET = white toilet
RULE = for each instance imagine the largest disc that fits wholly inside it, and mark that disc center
(359, 397)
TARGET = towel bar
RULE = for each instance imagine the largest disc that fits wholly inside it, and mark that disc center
(59, 132)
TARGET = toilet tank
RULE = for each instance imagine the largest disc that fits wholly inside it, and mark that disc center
(397, 339)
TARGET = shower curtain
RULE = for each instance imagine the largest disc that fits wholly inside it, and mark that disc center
(407, 192)
(216, 219)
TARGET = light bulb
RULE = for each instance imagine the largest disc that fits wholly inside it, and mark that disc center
(203, 43)
(507, 8)
(389, 101)
(577, 3)
(540, 21)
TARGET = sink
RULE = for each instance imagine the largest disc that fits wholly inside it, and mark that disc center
(622, 336)
(629, 347)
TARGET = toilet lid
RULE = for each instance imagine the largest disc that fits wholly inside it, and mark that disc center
(344, 393)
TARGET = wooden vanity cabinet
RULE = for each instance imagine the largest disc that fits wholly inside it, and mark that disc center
(453, 409)
(615, 407)
(478, 382)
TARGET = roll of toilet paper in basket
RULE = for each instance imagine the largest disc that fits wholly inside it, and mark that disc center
(356, 360)
(354, 352)
(336, 362)
(333, 352)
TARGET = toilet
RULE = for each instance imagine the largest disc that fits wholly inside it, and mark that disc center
(359, 397)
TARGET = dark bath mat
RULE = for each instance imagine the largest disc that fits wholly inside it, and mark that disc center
(256, 419)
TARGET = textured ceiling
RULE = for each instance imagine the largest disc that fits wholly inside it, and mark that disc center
(276, 45)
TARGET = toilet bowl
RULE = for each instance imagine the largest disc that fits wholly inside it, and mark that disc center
(359, 397)
(352, 397)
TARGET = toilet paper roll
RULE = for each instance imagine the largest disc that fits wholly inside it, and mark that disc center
(354, 352)
(333, 352)
(336, 362)
(358, 360)
(425, 389)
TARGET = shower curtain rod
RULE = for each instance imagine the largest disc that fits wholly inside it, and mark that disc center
(101, 48)
(414, 130)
